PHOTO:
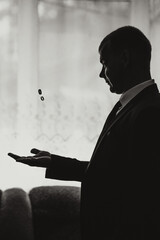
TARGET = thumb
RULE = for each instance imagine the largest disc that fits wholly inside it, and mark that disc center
(35, 150)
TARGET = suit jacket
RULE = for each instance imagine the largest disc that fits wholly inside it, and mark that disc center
(120, 185)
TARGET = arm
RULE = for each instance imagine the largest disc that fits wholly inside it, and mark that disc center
(63, 168)
(57, 167)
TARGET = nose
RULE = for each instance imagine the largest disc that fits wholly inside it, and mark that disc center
(102, 74)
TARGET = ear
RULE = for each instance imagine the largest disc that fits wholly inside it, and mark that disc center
(126, 58)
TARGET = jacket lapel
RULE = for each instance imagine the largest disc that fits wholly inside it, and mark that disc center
(108, 127)
(119, 116)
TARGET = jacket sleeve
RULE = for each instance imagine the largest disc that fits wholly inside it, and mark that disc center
(64, 168)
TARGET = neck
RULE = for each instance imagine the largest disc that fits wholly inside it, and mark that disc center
(136, 78)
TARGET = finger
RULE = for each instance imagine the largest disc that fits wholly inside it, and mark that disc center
(13, 156)
(35, 151)
(34, 161)
(26, 160)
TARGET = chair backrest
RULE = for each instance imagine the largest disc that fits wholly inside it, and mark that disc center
(15, 215)
(56, 212)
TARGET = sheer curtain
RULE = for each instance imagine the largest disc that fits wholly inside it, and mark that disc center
(53, 45)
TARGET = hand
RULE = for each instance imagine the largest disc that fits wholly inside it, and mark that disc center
(40, 159)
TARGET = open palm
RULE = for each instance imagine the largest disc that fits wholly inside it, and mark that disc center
(40, 159)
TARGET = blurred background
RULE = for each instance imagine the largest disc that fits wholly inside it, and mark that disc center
(53, 45)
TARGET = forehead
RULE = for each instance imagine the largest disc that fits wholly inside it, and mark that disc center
(105, 50)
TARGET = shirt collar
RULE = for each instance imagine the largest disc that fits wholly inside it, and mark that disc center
(132, 92)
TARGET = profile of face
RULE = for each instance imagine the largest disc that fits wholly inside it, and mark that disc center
(112, 69)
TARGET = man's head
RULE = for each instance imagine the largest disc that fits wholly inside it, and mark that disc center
(125, 55)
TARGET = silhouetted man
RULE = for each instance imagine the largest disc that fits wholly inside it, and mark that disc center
(120, 184)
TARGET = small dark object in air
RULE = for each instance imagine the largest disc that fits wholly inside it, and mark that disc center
(39, 91)
(42, 98)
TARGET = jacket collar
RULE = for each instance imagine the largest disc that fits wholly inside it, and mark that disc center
(150, 91)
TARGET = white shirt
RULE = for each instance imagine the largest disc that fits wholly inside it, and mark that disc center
(127, 96)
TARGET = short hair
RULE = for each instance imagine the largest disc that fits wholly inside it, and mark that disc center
(131, 38)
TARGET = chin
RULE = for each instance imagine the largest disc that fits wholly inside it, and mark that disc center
(113, 90)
